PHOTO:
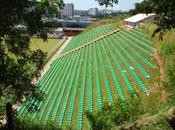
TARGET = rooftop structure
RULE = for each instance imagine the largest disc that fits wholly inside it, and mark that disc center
(136, 20)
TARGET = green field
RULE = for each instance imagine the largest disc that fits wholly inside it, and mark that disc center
(49, 46)
(112, 68)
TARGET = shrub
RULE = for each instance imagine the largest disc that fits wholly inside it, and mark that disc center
(114, 114)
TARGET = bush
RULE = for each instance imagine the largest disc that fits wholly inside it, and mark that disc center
(29, 124)
(114, 114)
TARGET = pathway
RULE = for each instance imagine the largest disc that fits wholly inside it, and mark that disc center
(55, 56)
(88, 43)
(162, 73)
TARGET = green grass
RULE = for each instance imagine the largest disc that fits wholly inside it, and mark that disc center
(49, 46)
(104, 22)
(167, 57)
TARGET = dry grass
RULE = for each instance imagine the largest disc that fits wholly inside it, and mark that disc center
(104, 22)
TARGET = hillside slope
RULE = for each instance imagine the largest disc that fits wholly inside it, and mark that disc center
(113, 68)
(161, 114)
(160, 121)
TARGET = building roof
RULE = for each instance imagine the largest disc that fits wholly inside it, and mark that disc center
(138, 17)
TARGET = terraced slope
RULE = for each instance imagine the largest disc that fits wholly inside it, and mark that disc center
(89, 36)
(112, 68)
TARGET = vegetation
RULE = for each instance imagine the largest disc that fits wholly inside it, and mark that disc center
(114, 114)
(49, 46)
(19, 21)
(158, 101)
(97, 31)
(117, 21)
(142, 7)
(164, 95)
(107, 3)
(119, 59)
(114, 15)
(164, 10)
(28, 124)
(98, 73)
(160, 121)
(166, 49)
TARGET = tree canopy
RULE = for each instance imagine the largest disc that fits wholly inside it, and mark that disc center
(19, 20)
(165, 13)
(107, 3)
(143, 7)
(165, 18)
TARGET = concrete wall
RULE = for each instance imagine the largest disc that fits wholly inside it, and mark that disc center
(130, 24)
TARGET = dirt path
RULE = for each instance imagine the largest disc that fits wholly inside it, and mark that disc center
(162, 73)
(161, 70)
(163, 94)
(56, 56)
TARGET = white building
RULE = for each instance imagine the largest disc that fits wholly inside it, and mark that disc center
(138, 19)
(93, 11)
(68, 10)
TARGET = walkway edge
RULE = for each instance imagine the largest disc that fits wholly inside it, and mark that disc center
(88, 43)
(54, 57)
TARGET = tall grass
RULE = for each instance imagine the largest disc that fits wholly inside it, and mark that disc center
(118, 22)
(166, 51)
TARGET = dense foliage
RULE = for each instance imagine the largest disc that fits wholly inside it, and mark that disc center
(165, 13)
(114, 114)
(19, 20)
(143, 7)
(28, 124)
(107, 3)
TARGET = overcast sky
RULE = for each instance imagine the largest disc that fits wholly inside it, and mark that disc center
(123, 5)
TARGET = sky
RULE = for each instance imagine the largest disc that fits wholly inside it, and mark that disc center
(123, 5)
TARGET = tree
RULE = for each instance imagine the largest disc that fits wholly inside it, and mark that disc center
(107, 3)
(165, 14)
(19, 20)
(143, 7)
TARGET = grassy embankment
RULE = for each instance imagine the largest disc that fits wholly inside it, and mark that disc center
(117, 21)
(158, 107)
